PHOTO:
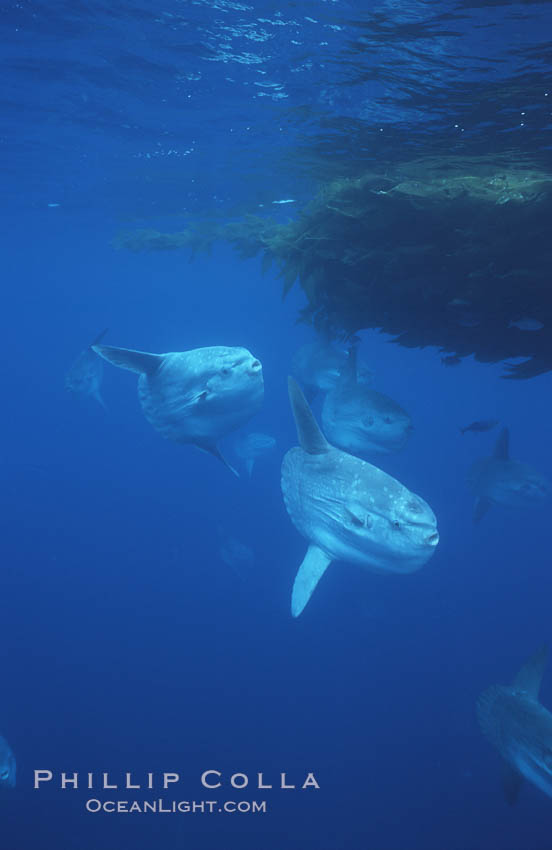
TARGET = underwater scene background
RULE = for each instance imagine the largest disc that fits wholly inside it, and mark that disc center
(145, 590)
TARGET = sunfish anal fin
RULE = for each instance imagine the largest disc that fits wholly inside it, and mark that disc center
(311, 439)
(135, 361)
(214, 450)
(249, 465)
(530, 676)
(309, 574)
(502, 447)
(98, 396)
(511, 783)
(480, 508)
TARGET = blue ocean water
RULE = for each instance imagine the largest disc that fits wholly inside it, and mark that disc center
(128, 644)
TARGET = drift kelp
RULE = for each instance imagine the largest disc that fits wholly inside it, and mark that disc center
(448, 252)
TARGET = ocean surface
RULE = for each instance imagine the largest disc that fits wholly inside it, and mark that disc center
(129, 644)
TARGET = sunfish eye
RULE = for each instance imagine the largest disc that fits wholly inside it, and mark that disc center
(387, 420)
(225, 371)
(396, 524)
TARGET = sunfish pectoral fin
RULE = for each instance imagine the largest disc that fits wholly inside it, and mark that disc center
(135, 361)
(214, 450)
(309, 574)
(311, 439)
(511, 782)
(480, 508)
(530, 676)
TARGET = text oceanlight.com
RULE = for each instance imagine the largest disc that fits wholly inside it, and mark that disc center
(176, 806)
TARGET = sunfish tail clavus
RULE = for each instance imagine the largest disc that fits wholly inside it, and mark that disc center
(195, 396)
(520, 728)
(348, 509)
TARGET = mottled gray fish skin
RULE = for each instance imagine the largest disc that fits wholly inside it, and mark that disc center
(84, 378)
(520, 728)
(317, 365)
(498, 480)
(7, 764)
(195, 396)
(248, 447)
(349, 510)
(362, 421)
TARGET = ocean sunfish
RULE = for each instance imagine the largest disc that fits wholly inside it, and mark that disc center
(317, 365)
(7, 764)
(360, 420)
(520, 728)
(348, 509)
(248, 447)
(195, 396)
(84, 378)
(497, 480)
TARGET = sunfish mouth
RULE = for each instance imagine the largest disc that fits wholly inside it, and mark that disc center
(255, 366)
(433, 539)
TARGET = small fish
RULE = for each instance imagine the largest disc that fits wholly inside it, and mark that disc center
(84, 378)
(526, 324)
(7, 764)
(451, 360)
(520, 727)
(195, 396)
(248, 447)
(480, 425)
(458, 302)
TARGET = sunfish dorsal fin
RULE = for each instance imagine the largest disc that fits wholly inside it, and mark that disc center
(309, 574)
(502, 447)
(99, 337)
(135, 361)
(348, 374)
(530, 676)
(311, 439)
